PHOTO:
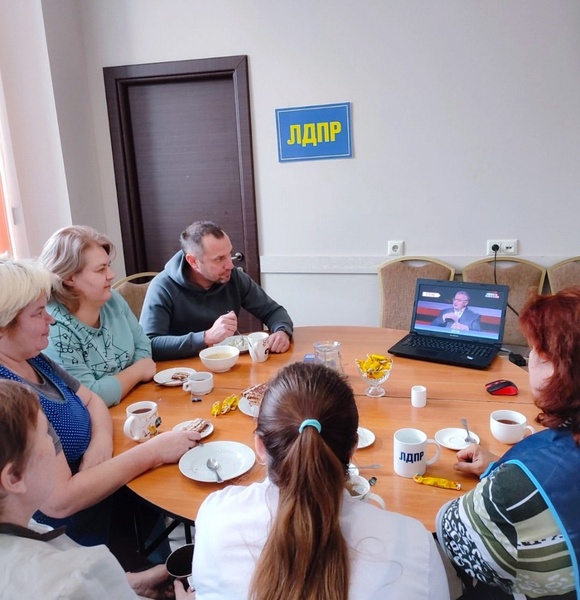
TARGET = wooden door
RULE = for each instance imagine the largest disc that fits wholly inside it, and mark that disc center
(182, 151)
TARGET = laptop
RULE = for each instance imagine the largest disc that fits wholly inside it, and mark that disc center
(456, 323)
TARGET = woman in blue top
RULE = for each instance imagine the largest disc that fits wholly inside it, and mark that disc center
(95, 337)
(86, 474)
(516, 535)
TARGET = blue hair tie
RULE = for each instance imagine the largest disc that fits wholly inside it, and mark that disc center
(310, 423)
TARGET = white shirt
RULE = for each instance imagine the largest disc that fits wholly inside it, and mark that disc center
(59, 569)
(393, 556)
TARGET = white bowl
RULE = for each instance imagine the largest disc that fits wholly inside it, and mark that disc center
(219, 359)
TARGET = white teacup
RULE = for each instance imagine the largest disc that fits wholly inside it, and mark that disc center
(142, 421)
(360, 489)
(199, 383)
(259, 345)
(509, 426)
(410, 450)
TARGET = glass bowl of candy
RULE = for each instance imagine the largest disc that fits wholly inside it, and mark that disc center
(375, 369)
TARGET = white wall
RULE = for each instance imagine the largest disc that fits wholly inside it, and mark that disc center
(465, 126)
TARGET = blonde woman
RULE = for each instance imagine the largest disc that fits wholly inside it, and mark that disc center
(95, 337)
(86, 473)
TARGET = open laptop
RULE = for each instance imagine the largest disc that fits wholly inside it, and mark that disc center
(456, 323)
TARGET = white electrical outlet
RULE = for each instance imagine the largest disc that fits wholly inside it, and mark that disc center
(505, 247)
(396, 248)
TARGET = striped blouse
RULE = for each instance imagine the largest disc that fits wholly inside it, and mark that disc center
(503, 534)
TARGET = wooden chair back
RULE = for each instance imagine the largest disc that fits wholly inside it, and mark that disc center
(134, 293)
(397, 282)
(564, 274)
(522, 276)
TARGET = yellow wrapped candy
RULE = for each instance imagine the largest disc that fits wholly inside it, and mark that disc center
(437, 482)
(221, 407)
(374, 366)
(230, 403)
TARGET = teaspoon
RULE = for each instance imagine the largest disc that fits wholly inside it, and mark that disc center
(469, 439)
(213, 465)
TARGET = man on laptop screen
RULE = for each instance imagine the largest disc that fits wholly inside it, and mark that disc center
(455, 323)
(458, 316)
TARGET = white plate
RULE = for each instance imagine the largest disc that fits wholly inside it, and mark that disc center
(234, 460)
(454, 438)
(164, 377)
(183, 426)
(237, 341)
(248, 409)
(365, 437)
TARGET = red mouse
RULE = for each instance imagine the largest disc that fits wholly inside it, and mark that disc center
(502, 387)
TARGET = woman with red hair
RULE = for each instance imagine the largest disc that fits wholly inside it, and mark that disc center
(517, 534)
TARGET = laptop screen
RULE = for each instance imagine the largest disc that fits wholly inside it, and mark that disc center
(456, 309)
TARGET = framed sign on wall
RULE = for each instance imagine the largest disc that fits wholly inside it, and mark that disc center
(314, 132)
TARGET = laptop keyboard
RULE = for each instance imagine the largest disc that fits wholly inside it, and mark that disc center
(449, 346)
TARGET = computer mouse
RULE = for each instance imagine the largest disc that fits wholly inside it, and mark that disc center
(502, 387)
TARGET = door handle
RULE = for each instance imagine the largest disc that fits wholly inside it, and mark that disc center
(238, 256)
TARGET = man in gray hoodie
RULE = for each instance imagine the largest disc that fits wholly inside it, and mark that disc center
(194, 302)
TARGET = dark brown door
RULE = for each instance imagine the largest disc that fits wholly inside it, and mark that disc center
(182, 151)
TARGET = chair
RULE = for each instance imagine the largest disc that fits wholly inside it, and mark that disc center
(398, 279)
(564, 274)
(522, 276)
(134, 293)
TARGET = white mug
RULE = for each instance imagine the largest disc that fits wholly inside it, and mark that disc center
(509, 426)
(199, 383)
(409, 452)
(418, 396)
(142, 421)
(360, 489)
(259, 345)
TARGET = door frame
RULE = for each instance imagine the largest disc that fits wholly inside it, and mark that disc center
(118, 81)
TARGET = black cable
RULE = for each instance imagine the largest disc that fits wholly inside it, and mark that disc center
(495, 249)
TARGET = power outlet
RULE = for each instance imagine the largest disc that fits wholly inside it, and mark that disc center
(506, 247)
(396, 248)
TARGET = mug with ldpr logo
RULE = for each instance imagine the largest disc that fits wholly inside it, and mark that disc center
(410, 452)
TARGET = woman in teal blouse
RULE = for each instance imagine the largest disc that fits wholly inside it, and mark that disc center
(95, 337)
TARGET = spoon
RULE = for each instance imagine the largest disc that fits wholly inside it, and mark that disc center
(469, 439)
(374, 466)
(213, 465)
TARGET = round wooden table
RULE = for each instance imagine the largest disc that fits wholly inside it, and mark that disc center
(452, 393)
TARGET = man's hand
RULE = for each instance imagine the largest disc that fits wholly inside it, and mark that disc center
(474, 459)
(279, 342)
(223, 327)
(460, 327)
(450, 316)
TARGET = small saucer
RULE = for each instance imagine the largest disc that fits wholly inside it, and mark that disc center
(454, 438)
(365, 437)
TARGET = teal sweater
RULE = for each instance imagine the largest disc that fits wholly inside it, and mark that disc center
(95, 355)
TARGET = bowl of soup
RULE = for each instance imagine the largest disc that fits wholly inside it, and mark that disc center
(219, 359)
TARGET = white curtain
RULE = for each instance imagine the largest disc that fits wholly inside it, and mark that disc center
(10, 189)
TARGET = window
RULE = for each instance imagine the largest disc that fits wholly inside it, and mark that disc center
(5, 245)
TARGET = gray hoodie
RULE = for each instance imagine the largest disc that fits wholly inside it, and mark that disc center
(176, 312)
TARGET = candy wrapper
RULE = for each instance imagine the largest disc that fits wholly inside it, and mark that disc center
(374, 366)
(225, 406)
(437, 482)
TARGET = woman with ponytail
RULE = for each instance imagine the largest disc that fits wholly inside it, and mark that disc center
(299, 535)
